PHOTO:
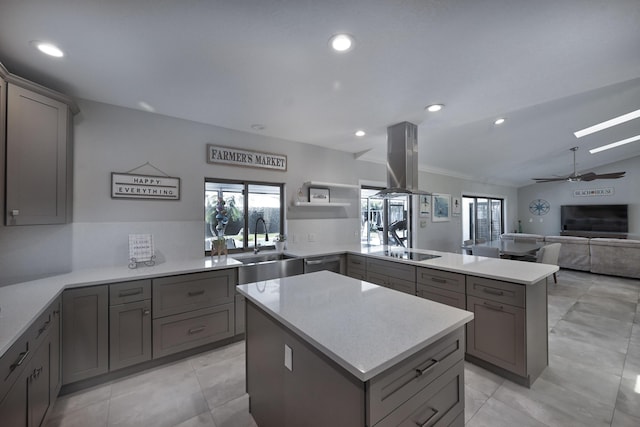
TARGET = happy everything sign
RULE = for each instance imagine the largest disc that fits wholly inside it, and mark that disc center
(248, 158)
(149, 187)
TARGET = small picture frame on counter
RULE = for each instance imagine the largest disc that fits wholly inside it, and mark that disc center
(319, 195)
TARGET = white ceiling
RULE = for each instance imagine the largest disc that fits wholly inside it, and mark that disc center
(550, 67)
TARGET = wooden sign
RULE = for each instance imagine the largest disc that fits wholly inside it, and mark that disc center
(147, 187)
(247, 158)
(592, 192)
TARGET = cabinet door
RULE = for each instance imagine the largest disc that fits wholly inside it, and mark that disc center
(85, 333)
(38, 386)
(443, 296)
(13, 409)
(240, 314)
(129, 334)
(55, 368)
(36, 171)
(3, 133)
(497, 334)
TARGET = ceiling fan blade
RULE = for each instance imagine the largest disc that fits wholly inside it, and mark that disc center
(589, 176)
(611, 175)
(539, 180)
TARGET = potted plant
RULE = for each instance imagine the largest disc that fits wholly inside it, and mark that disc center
(280, 242)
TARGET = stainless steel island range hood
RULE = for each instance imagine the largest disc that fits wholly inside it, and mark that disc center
(402, 162)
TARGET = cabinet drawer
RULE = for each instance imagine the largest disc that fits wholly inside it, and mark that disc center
(402, 285)
(39, 331)
(356, 261)
(378, 279)
(179, 294)
(443, 296)
(438, 404)
(357, 274)
(188, 330)
(122, 293)
(395, 386)
(12, 364)
(441, 279)
(392, 269)
(504, 292)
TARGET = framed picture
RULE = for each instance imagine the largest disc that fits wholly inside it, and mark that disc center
(425, 206)
(456, 208)
(441, 209)
(318, 195)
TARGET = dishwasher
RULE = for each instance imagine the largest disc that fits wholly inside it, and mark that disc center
(331, 263)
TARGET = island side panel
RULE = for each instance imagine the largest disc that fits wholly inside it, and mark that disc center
(537, 329)
(315, 392)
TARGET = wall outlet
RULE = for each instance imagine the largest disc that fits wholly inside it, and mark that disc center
(311, 237)
(288, 357)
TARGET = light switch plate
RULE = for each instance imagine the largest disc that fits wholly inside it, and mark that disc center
(288, 357)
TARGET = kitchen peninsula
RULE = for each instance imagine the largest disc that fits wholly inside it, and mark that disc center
(325, 349)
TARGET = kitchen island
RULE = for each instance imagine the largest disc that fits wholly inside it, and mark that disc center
(324, 349)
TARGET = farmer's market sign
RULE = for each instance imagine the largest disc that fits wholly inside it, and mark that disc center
(150, 187)
(253, 159)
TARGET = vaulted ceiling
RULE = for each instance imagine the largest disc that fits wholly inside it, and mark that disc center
(550, 67)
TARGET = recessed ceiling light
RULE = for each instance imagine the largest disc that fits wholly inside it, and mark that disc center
(360, 133)
(607, 124)
(48, 48)
(434, 107)
(341, 42)
(258, 126)
(499, 121)
(615, 144)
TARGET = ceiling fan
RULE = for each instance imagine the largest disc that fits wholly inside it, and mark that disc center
(576, 177)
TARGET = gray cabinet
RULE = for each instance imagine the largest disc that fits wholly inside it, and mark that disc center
(191, 310)
(393, 275)
(3, 134)
(357, 267)
(28, 389)
(85, 333)
(38, 153)
(509, 331)
(441, 286)
(129, 323)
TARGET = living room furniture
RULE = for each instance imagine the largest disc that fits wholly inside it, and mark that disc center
(574, 252)
(487, 251)
(617, 257)
(548, 254)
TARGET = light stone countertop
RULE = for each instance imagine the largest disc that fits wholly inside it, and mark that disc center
(22, 303)
(364, 328)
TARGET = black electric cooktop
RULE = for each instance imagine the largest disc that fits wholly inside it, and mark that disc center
(405, 254)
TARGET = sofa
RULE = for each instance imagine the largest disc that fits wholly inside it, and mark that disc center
(574, 252)
(618, 257)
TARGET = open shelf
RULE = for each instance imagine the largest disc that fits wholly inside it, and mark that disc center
(317, 205)
(330, 184)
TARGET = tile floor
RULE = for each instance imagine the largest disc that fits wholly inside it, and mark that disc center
(593, 378)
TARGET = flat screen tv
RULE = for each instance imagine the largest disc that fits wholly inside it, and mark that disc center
(600, 218)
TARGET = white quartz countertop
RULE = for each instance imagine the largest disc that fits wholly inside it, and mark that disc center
(364, 328)
(22, 303)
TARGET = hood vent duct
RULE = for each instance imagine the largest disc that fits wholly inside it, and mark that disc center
(402, 162)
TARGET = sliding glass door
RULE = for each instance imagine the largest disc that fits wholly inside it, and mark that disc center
(482, 218)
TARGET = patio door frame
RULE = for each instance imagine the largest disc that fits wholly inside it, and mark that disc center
(491, 220)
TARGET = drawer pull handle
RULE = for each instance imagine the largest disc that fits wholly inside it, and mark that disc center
(18, 362)
(196, 293)
(493, 307)
(129, 293)
(427, 368)
(424, 424)
(44, 327)
(353, 261)
(196, 330)
(438, 280)
(146, 312)
(492, 291)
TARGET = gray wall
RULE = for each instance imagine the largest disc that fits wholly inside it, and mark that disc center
(113, 139)
(626, 191)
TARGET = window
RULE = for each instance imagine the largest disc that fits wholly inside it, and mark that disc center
(246, 206)
(482, 218)
(380, 215)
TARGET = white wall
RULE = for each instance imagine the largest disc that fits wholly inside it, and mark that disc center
(626, 191)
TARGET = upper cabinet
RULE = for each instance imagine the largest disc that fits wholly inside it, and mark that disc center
(37, 133)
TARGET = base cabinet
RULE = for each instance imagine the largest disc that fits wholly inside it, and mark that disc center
(85, 333)
(26, 402)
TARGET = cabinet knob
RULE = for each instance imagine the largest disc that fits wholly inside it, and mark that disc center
(15, 212)
(146, 312)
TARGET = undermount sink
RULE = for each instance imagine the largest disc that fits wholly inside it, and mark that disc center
(268, 266)
(264, 258)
